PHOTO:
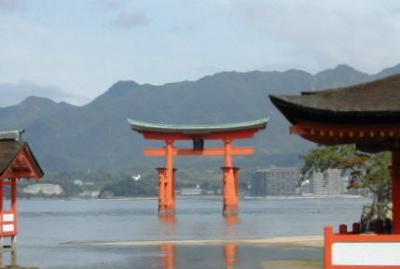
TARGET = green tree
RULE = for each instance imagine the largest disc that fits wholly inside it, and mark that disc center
(366, 170)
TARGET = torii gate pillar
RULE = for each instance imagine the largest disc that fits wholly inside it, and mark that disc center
(166, 192)
(230, 182)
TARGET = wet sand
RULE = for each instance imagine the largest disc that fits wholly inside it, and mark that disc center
(315, 241)
(293, 264)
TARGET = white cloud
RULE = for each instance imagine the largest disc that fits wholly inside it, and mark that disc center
(362, 33)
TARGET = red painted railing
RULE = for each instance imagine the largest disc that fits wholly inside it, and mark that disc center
(352, 250)
(8, 223)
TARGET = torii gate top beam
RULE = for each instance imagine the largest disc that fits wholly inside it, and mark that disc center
(236, 130)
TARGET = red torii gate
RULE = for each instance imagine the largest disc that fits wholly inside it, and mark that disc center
(198, 133)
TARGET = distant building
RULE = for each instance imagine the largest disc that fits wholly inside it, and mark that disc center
(277, 181)
(44, 189)
(190, 191)
(78, 182)
(330, 182)
(89, 194)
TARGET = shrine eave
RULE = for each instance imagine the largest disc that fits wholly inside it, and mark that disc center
(17, 159)
(296, 112)
(194, 129)
(375, 102)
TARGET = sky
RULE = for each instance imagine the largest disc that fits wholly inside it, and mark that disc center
(74, 50)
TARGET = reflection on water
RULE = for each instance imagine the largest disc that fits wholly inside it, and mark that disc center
(231, 254)
(8, 254)
(230, 230)
(168, 251)
(168, 256)
(168, 224)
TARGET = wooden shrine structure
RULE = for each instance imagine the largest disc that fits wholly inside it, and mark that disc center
(16, 161)
(367, 115)
(198, 134)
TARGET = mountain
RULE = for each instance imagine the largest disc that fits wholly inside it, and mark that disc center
(97, 136)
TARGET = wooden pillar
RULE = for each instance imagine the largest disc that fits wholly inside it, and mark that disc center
(173, 186)
(14, 208)
(236, 177)
(164, 208)
(1, 252)
(231, 200)
(1, 222)
(328, 242)
(162, 205)
(396, 190)
(169, 180)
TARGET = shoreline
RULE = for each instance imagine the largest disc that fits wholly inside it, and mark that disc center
(314, 241)
(198, 197)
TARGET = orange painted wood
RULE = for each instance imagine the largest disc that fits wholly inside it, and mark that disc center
(328, 232)
(207, 151)
(367, 237)
(346, 133)
(231, 197)
(161, 189)
(228, 153)
(22, 167)
(13, 207)
(167, 182)
(26, 174)
(363, 267)
(1, 194)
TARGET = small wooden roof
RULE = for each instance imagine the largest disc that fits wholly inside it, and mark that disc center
(17, 159)
(372, 102)
(191, 130)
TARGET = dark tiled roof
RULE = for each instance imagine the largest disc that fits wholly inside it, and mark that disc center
(196, 129)
(371, 102)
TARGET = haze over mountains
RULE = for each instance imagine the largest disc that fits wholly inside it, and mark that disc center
(97, 136)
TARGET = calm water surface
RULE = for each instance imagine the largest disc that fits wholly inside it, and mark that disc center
(45, 226)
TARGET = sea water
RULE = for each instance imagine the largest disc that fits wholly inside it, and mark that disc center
(56, 233)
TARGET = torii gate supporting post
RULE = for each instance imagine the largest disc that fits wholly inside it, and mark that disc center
(166, 204)
(231, 197)
(163, 188)
(396, 190)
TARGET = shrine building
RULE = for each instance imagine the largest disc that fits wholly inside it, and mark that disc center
(367, 115)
